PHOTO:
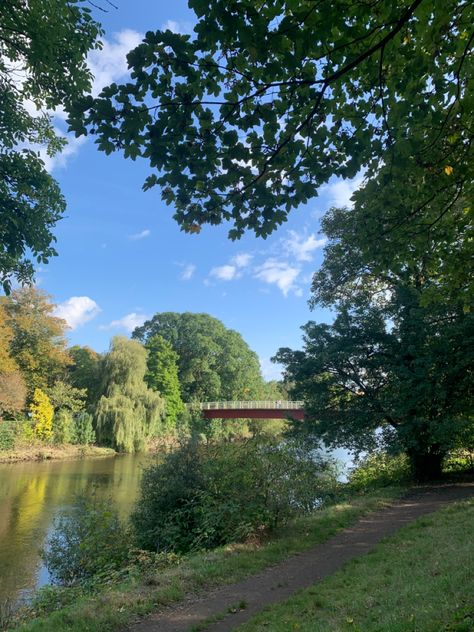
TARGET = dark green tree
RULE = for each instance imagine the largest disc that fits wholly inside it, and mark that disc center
(83, 429)
(43, 52)
(247, 117)
(63, 427)
(84, 372)
(128, 413)
(214, 362)
(390, 362)
(162, 376)
(64, 396)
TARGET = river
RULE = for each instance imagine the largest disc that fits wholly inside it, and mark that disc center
(31, 495)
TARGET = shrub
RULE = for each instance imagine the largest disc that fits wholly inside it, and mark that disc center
(7, 435)
(87, 540)
(84, 433)
(380, 469)
(26, 431)
(204, 496)
(63, 427)
(42, 414)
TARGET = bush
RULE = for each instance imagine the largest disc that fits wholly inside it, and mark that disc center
(380, 469)
(7, 434)
(203, 496)
(42, 413)
(88, 540)
(84, 433)
(63, 427)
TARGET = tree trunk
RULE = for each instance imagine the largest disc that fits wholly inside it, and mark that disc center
(427, 466)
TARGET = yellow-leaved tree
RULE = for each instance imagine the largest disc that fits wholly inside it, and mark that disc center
(42, 413)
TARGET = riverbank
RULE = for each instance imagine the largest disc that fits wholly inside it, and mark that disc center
(41, 452)
(150, 587)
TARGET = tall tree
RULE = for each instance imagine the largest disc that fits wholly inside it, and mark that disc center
(392, 368)
(38, 344)
(128, 413)
(84, 372)
(7, 363)
(43, 51)
(162, 376)
(12, 384)
(266, 101)
(214, 362)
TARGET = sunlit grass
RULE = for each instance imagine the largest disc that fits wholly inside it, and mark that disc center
(419, 580)
(119, 605)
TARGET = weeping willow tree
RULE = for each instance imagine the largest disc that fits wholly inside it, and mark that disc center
(128, 413)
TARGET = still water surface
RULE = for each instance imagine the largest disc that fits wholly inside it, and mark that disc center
(32, 494)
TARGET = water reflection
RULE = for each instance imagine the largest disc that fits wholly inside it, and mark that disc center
(32, 493)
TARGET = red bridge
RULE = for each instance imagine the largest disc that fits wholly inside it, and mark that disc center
(252, 410)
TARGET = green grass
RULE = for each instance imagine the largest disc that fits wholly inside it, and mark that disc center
(120, 605)
(419, 580)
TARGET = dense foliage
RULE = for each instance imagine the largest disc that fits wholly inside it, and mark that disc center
(125, 398)
(43, 52)
(265, 102)
(38, 343)
(85, 372)
(87, 539)
(84, 433)
(391, 362)
(42, 413)
(128, 413)
(379, 469)
(214, 363)
(203, 496)
(63, 427)
(162, 376)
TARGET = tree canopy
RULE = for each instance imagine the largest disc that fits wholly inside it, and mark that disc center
(162, 376)
(250, 115)
(391, 369)
(85, 372)
(37, 342)
(213, 362)
(43, 51)
(128, 413)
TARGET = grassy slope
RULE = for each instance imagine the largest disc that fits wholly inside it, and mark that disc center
(419, 580)
(120, 605)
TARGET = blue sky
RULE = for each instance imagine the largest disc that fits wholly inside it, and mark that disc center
(122, 257)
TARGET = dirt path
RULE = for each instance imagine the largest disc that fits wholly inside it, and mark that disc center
(278, 582)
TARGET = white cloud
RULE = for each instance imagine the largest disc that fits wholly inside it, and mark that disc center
(110, 63)
(241, 260)
(279, 273)
(232, 270)
(340, 192)
(302, 246)
(184, 28)
(225, 273)
(140, 235)
(77, 310)
(129, 322)
(188, 271)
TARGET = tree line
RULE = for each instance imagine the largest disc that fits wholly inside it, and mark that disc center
(125, 397)
(250, 116)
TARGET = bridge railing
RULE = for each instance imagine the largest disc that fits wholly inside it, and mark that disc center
(249, 405)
